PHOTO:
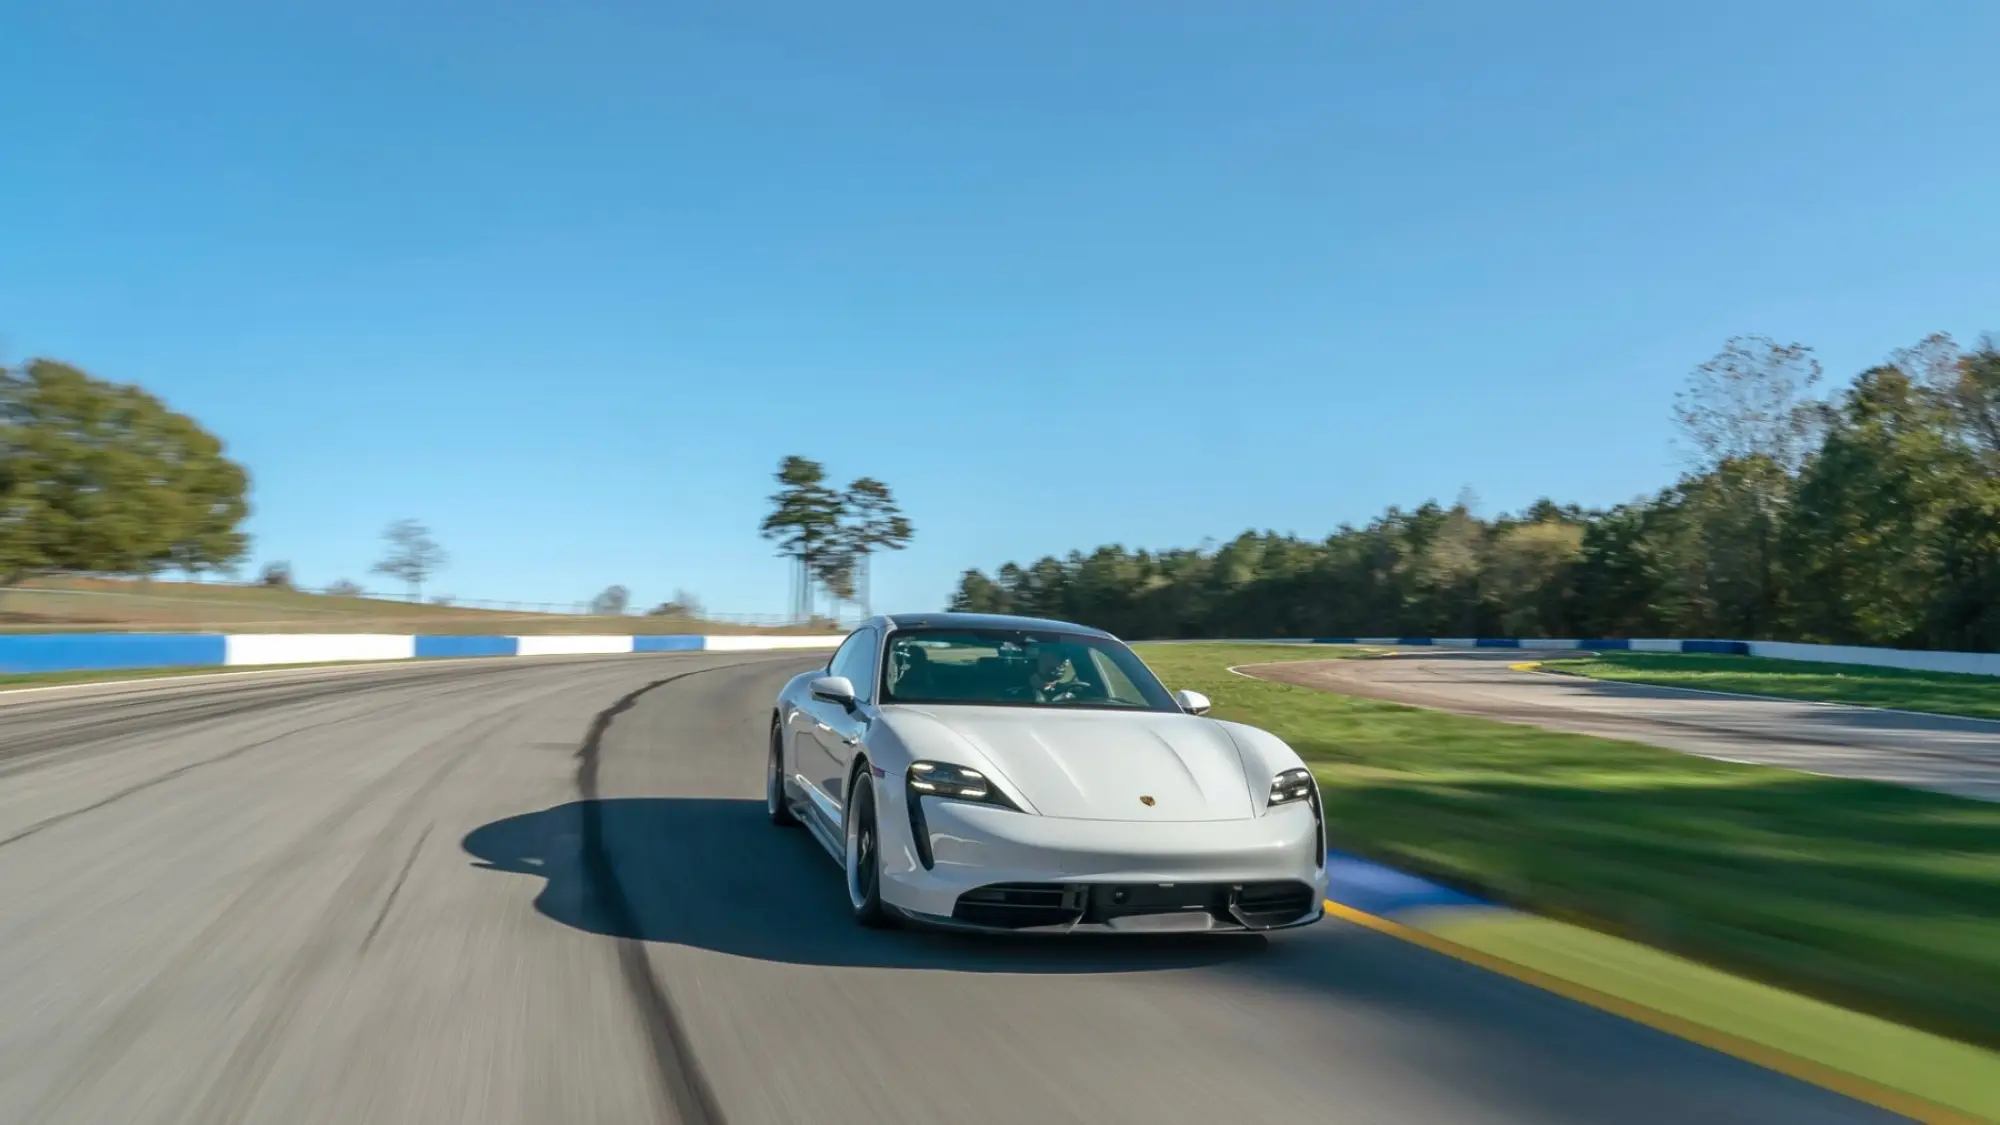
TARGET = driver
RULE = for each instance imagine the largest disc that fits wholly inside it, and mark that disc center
(913, 676)
(1049, 666)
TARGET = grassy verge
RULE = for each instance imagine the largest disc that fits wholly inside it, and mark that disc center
(1942, 1071)
(1873, 897)
(1938, 692)
(60, 605)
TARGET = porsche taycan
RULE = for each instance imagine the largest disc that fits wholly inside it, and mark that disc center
(1013, 774)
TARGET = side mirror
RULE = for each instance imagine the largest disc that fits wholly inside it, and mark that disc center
(834, 689)
(1193, 702)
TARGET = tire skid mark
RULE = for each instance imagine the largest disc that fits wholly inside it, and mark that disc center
(686, 1088)
(401, 877)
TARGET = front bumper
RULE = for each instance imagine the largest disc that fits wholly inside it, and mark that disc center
(1152, 908)
(1265, 873)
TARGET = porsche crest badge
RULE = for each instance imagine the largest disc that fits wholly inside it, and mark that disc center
(1146, 801)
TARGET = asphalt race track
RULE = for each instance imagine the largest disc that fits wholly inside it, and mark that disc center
(1950, 755)
(542, 891)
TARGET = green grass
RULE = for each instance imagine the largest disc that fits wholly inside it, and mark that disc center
(1940, 693)
(1870, 896)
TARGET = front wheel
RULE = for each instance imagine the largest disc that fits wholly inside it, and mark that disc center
(864, 857)
(776, 805)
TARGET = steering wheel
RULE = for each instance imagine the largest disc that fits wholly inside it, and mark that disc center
(1067, 690)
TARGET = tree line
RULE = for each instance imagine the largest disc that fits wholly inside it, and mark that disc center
(1871, 517)
(831, 534)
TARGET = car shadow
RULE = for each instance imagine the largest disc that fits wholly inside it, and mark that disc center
(714, 873)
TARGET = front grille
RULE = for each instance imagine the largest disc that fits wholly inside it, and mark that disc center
(1109, 901)
(1015, 906)
(1020, 906)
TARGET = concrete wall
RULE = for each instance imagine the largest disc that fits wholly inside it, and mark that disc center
(76, 652)
(572, 646)
(315, 648)
(72, 652)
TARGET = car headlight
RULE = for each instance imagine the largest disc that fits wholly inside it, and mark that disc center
(959, 783)
(954, 783)
(1297, 785)
(1291, 785)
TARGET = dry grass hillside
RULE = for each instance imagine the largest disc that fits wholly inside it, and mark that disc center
(94, 605)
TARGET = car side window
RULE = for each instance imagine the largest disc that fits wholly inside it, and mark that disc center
(856, 661)
(841, 653)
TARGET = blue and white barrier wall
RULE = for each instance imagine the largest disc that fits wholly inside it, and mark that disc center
(1963, 663)
(73, 652)
(77, 652)
(1600, 644)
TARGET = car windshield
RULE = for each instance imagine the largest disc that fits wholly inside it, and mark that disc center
(1018, 668)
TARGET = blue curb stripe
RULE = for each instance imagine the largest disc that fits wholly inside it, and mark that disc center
(1384, 891)
(667, 642)
(1498, 642)
(1721, 648)
(75, 652)
(435, 647)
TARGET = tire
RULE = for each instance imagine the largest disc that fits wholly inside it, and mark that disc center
(864, 857)
(775, 804)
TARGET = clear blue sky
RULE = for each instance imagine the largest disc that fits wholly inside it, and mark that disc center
(565, 281)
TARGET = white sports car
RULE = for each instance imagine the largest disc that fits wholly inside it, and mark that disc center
(1012, 774)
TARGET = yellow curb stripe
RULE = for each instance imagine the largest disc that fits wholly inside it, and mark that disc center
(1525, 666)
(1770, 1058)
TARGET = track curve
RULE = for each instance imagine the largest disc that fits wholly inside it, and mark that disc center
(537, 891)
(1939, 752)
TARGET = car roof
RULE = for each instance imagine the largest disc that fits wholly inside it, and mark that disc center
(984, 621)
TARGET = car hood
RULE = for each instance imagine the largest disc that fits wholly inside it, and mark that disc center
(1093, 764)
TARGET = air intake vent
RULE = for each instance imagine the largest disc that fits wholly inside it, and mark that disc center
(1272, 904)
(1015, 906)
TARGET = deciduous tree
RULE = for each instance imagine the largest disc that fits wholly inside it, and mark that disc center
(413, 556)
(99, 476)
